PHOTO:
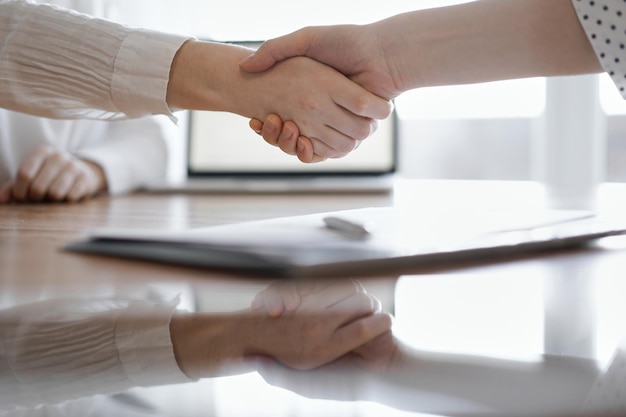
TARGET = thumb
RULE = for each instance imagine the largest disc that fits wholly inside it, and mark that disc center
(276, 50)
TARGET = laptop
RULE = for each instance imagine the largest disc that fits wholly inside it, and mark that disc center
(225, 155)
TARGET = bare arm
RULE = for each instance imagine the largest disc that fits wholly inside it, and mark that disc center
(484, 40)
(479, 41)
(328, 108)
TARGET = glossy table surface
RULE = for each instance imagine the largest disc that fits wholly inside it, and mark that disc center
(564, 303)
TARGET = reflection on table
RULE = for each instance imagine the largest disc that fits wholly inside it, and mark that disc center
(566, 304)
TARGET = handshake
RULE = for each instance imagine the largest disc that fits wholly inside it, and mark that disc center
(359, 98)
(301, 325)
(318, 92)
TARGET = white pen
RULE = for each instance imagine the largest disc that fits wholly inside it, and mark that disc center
(346, 227)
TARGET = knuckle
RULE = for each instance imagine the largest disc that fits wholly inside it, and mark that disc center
(362, 131)
(313, 328)
(24, 175)
(362, 103)
(366, 303)
(55, 195)
(58, 159)
(345, 147)
(362, 330)
(37, 190)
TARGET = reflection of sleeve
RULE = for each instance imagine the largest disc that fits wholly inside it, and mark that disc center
(63, 349)
(608, 396)
(605, 25)
(61, 64)
(133, 154)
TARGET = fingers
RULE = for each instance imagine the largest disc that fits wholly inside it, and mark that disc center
(50, 175)
(378, 353)
(28, 172)
(307, 295)
(6, 192)
(272, 129)
(336, 296)
(369, 105)
(332, 319)
(274, 132)
(256, 125)
(361, 331)
(277, 298)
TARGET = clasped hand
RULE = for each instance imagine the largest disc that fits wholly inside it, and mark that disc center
(359, 52)
(50, 175)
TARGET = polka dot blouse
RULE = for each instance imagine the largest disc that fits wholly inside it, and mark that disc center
(605, 24)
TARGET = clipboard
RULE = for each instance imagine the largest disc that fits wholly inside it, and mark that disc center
(398, 241)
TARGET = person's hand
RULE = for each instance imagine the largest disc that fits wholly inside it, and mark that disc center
(349, 378)
(357, 51)
(287, 297)
(334, 321)
(326, 326)
(50, 175)
(329, 109)
(286, 136)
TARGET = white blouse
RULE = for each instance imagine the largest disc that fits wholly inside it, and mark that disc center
(132, 153)
(57, 350)
(61, 64)
(48, 70)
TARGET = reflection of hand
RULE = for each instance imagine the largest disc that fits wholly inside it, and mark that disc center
(349, 378)
(319, 332)
(325, 325)
(50, 175)
(287, 297)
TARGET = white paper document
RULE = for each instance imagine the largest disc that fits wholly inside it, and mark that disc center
(389, 241)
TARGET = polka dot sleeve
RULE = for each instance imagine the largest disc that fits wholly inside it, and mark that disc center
(604, 22)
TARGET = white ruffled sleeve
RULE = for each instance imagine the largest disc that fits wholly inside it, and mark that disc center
(61, 64)
(58, 350)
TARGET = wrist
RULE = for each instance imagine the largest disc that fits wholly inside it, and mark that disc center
(201, 81)
(208, 345)
(100, 183)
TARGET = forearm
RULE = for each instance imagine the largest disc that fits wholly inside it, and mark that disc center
(200, 81)
(486, 40)
(207, 345)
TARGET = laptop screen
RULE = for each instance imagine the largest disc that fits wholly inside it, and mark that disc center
(222, 144)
